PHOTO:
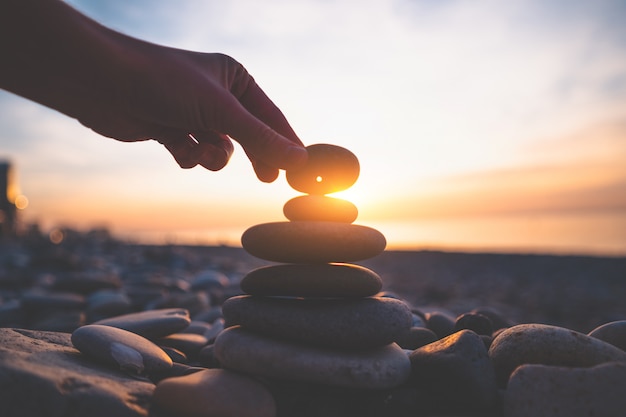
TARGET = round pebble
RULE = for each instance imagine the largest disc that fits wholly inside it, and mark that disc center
(120, 349)
(379, 368)
(317, 280)
(329, 168)
(476, 322)
(360, 323)
(320, 208)
(214, 393)
(312, 242)
(151, 324)
(548, 345)
(613, 333)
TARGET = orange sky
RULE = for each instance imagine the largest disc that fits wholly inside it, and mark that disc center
(484, 125)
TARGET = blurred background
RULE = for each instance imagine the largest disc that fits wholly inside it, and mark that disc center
(480, 126)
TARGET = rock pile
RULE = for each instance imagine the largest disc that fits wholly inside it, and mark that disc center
(311, 318)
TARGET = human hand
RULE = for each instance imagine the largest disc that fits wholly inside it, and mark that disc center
(193, 103)
(130, 90)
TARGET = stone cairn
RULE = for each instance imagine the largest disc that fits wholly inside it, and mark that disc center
(312, 317)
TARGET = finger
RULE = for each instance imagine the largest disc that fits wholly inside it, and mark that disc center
(262, 143)
(258, 104)
(214, 150)
(183, 148)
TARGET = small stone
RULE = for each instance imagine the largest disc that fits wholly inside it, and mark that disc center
(548, 345)
(104, 304)
(316, 280)
(498, 321)
(475, 322)
(613, 333)
(320, 208)
(554, 391)
(416, 338)
(42, 302)
(209, 280)
(360, 323)
(456, 372)
(312, 242)
(379, 368)
(120, 348)
(152, 324)
(214, 393)
(329, 169)
(66, 322)
(189, 343)
(441, 323)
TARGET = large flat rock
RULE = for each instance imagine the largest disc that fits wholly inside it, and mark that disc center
(41, 374)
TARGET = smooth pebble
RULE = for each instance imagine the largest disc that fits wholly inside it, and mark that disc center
(312, 242)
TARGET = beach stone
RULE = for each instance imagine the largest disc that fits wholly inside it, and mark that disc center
(548, 345)
(554, 391)
(314, 280)
(312, 242)
(214, 393)
(498, 321)
(104, 304)
(120, 349)
(416, 338)
(329, 168)
(456, 372)
(613, 333)
(441, 323)
(360, 323)
(43, 375)
(476, 322)
(320, 208)
(189, 343)
(151, 324)
(43, 302)
(209, 280)
(380, 368)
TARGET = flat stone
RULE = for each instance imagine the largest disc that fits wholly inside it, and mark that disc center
(320, 208)
(312, 242)
(360, 323)
(329, 168)
(554, 391)
(152, 324)
(316, 280)
(456, 372)
(613, 333)
(548, 345)
(379, 368)
(120, 349)
(43, 375)
(214, 393)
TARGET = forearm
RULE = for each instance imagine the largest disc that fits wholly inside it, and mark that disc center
(56, 56)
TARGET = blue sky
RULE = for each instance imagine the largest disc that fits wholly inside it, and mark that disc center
(442, 101)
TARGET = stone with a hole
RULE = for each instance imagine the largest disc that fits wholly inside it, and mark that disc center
(329, 169)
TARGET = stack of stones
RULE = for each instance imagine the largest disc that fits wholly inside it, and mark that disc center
(313, 317)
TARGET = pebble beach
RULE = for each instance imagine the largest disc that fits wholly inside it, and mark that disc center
(490, 334)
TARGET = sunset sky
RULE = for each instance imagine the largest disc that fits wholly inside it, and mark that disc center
(479, 125)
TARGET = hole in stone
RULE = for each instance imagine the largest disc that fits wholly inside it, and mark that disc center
(319, 179)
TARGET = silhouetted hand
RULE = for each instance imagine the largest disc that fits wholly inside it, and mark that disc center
(130, 90)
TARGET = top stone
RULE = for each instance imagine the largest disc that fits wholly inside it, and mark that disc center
(329, 169)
